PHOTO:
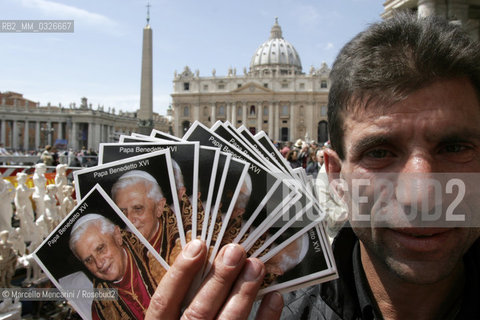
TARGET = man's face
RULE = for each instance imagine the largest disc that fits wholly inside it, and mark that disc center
(435, 129)
(320, 157)
(294, 155)
(139, 209)
(102, 254)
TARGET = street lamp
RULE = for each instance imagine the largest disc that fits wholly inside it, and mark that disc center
(47, 131)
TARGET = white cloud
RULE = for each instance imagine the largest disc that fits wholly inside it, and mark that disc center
(329, 46)
(62, 11)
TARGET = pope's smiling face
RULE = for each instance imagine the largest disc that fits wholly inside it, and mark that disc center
(142, 211)
(102, 254)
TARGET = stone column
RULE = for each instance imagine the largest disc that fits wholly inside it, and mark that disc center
(90, 135)
(244, 114)
(102, 133)
(270, 120)
(74, 137)
(15, 134)
(234, 114)
(310, 121)
(196, 113)
(49, 133)
(25, 136)
(293, 135)
(97, 136)
(176, 117)
(4, 131)
(259, 116)
(75, 144)
(37, 134)
(213, 116)
(60, 130)
(228, 106)
(276, 129)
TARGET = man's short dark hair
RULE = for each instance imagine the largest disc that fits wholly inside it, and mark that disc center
(394, 58)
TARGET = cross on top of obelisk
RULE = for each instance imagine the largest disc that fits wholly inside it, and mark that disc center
(148, 12)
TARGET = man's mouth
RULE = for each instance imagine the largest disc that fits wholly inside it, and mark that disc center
(421, 236)
(422, 232)
(421, 239)
(105, 270)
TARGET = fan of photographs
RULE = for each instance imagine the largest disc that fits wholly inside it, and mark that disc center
(150, 195)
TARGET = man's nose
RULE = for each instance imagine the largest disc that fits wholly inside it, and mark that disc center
(99, 262)
(416, 187)
(131, 216)
(420, 162)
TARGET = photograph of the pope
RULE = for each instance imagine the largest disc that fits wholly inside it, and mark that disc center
(102, 250)
(185, 171)
(145, 189)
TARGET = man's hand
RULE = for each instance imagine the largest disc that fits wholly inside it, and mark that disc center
(228, 292)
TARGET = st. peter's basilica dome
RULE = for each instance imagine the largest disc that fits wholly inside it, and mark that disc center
(276, 56)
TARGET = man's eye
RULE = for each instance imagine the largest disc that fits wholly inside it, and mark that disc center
(458, 152)
(378, 153)
(138, 209)
(454, 148)
(101, 248)
(88, 260)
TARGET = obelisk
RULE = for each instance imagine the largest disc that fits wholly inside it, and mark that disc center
(145, 114)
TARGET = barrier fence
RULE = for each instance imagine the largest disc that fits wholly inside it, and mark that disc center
(9, 172)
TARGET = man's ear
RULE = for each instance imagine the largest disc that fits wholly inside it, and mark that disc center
(160, 206)
(117, 236)
(332, 162)
(333, 166)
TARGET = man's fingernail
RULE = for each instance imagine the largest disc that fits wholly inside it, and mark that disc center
(232, 255)
(275, 301)
(252, 270)
(192, 249)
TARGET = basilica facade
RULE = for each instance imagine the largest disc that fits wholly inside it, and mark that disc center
(273, 95)
(27, 126)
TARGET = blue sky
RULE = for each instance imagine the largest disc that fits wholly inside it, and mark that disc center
(101, 59)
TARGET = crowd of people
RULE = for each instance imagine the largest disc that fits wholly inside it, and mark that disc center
(308, 155)
(51, 156)
(82, 158)
(302, 154)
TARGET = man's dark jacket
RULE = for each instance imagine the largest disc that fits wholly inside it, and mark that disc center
(349, 297)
